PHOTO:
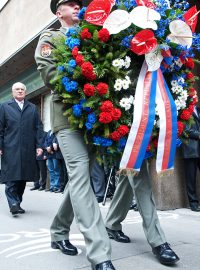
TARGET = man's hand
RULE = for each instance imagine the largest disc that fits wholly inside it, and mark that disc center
(49, 150)
(1, 152)
(55, 146)
(39, 151)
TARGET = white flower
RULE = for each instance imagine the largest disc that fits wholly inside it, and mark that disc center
(118, 84)
(131, 99)
(127, 62)
(125, 84)
(124, 103)
(174, 83)
(118, 63)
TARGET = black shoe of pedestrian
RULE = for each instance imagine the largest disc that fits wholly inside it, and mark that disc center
(118, 236)
(104, 266)
(41, 188)
(34, 188)
(58, 190)
(134, 207)
(99, 199)
(21, 210)
(165, 254)
(65, 246)
(195, 207)
(14, 209)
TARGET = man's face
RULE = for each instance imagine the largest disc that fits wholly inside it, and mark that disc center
(68, 12)
(18, 91)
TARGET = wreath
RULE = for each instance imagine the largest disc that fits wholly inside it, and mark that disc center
(99, 65)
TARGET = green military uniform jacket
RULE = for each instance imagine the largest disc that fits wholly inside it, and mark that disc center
(46, 66)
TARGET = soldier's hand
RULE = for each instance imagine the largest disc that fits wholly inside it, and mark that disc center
(39, 151)
(1, 152)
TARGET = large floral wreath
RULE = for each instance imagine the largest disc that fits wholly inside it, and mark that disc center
(99, 65)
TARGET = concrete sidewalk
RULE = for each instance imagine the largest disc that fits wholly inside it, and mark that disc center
(25, 240)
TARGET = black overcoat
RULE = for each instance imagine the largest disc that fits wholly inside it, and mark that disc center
(20, 134)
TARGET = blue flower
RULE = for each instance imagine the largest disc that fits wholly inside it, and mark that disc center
(92, 118)
(72, 42)
(61, 68)
(72, 63)
(126, 42)
(88, 125)
(77, 110)
(82, 13)
(72, 31)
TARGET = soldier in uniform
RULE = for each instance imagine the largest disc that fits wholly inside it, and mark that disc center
(79, 200)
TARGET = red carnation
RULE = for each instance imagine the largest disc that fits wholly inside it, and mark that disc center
(88, 90)
(85, 34)
(194, 101)
(115, 136)
(104, 35)
(191, 108)
(106, 106)
(190, 76)
(75, 52)
(116, 114)
(92, 77)
(123, 130)
(102, 88)
(79, 60)
(87, 69)
(105, 118)
(185, 115)
(181, 127)
(189, 63)
(192, 92)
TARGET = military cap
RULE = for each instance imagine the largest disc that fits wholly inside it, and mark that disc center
(56, 3)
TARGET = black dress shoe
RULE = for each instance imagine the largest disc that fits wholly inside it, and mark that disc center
(34, 188)
(118, 236)
(58, 190)
(65, 246)
(99, 199)
(104, 266)
(41, 188)
(21, 210)
(195, 208)
(165, 254)
(14, 209)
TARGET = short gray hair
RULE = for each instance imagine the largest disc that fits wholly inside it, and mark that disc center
(14, 85)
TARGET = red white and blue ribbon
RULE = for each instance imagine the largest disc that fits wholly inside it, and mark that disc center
(151, 89)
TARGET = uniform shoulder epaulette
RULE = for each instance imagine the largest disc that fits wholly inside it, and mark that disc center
(48, 32)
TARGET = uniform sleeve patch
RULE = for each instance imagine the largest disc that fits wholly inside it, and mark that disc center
(45, 50)
(46, 34)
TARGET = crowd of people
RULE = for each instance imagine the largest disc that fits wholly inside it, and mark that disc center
(72, 167)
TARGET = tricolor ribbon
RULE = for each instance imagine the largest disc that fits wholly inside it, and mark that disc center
(151, 89)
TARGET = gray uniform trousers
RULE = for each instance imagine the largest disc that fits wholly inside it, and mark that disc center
(79, 200)
(122, 199)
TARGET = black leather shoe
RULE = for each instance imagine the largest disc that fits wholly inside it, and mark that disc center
(41, 188)
(195, 208)
(14, 209)
(65, 246)
(99, 199)
(34, 188)
(165, 254)
(21, 210)
(118, 236)
(104, 266)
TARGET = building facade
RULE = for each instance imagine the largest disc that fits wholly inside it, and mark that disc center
(21, 24)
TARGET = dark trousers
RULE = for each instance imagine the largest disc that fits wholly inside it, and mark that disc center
(42, 172)
(98, 179)
(63, 173)
(14, 191)
(190, 166)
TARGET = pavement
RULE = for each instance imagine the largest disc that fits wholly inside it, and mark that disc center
(25, 240)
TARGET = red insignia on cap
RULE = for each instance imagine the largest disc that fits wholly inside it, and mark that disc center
(98, 11)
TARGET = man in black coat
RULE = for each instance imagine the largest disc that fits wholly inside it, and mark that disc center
(191, 155)
(20, 140)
